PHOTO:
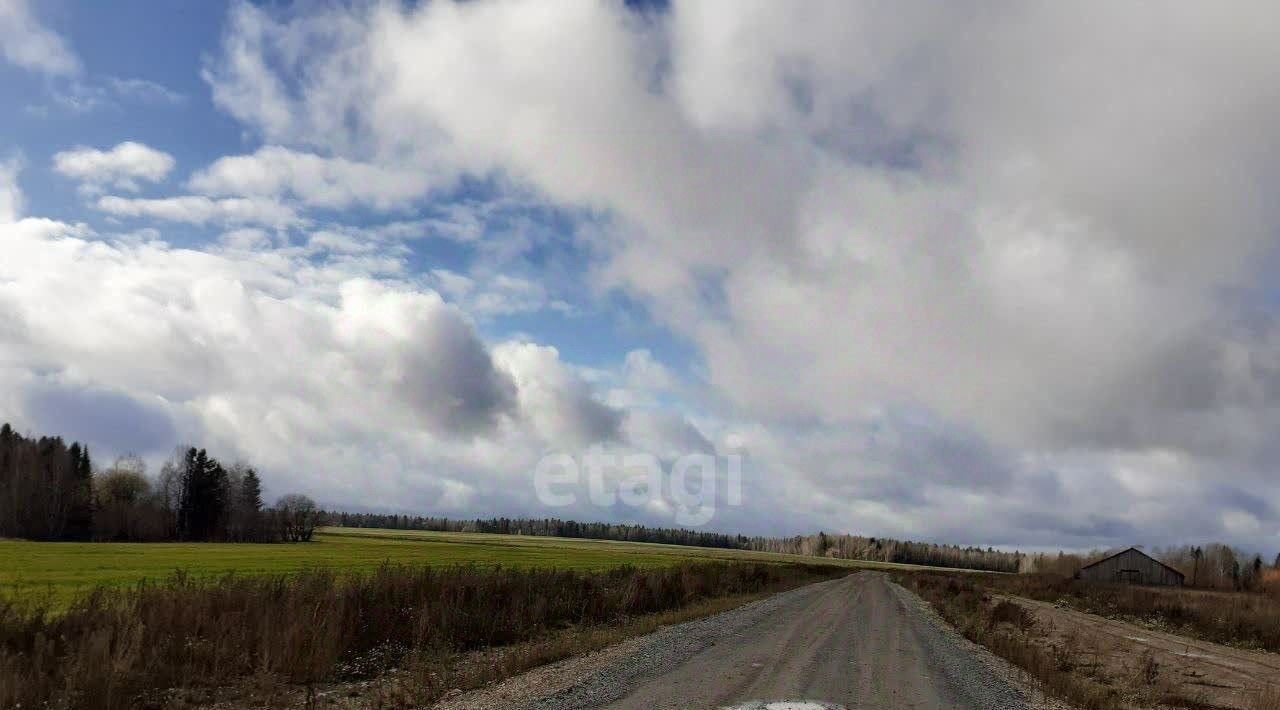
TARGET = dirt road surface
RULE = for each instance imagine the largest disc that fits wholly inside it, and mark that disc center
(856, 642)
(1215, 675)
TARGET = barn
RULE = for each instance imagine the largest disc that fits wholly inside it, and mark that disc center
(1132, 566)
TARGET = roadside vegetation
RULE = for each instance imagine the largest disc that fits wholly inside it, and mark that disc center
(147, 645)
(1007, 629)
(1071, 667)
(1243, 619)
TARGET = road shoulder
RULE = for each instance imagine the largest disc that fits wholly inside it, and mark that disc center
(1006, 672)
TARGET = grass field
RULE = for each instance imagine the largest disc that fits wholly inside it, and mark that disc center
(64, 570)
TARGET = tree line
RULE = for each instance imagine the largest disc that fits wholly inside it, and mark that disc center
(1211, 566)
(50, 490)
(881, 549)
(849, 547)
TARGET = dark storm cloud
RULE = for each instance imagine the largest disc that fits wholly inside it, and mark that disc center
(99, 417)
(450, 380)
(594, 420)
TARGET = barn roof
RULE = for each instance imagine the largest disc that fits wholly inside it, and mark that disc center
(1140, 552)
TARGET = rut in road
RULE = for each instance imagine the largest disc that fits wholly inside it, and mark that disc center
(856, 642)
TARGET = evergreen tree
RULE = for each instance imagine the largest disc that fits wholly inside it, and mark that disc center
(50, 491)
(251, 491)
(79, 494)
(203, 504)
(85, 467)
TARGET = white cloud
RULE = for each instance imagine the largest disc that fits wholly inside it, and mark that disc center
(246, 238)
(245, 77)
(308, 360)
(333, 183)
(339, 243)
(82, 95)
(554, 400)
(76, 97)
(144, 90)
(494, 294)
(642, 370)
(984, 258)
(121, 167)
(334, 381)
(10, 192)
(1021, 221)
(196, 209)
(28, 44)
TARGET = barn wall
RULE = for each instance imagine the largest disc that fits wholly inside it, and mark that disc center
(1114, 570)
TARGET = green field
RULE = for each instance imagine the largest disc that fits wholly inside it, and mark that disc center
(66, 569)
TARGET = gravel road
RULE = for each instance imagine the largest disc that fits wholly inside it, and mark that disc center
(855, 642)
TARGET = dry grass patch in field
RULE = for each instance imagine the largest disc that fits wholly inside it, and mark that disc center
(130, 648)
(1242, 619)
(1266, 699)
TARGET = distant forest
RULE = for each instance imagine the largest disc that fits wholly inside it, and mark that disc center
(846, 547)
(50, 490)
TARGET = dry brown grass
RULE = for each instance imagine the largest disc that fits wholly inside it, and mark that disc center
(1073, 669)
(426, 679)
(122, 648)
(1003, 628)
(1245, 619)
(1266, 699)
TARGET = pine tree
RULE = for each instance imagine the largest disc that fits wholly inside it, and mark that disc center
(251, 491)
(84, 469)
(246, 508)
(79, 492)
(203, 505)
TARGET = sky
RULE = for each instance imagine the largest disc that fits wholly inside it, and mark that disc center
(983, 273)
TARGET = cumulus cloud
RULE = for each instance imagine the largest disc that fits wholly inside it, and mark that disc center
(333, 183)
(200, 210)
(331, 376)
(26, 43)
(314, 369)
(121, 167)
(429, 354)
(557, 402)
(1047, 228)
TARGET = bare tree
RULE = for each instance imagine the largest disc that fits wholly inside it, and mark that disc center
(299, 517)
(168, 490)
